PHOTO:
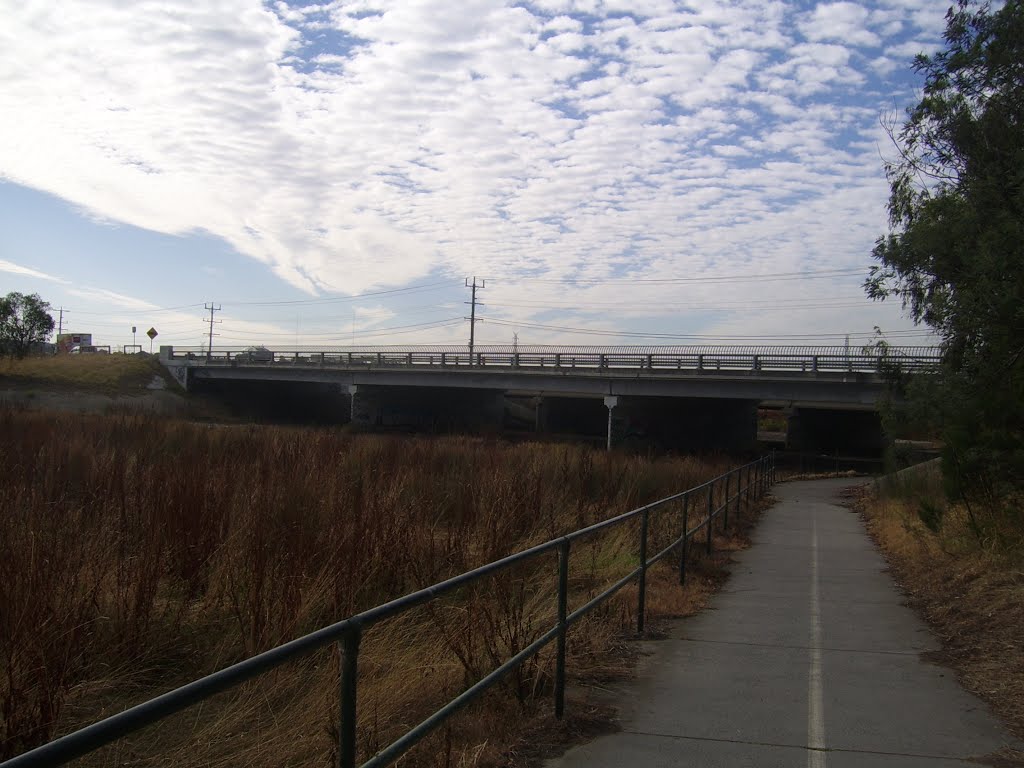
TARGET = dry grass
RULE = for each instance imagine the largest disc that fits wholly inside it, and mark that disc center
(108, 374)
(972, 595)
(137, 554)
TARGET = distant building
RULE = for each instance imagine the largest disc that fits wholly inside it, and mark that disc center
(65, 341)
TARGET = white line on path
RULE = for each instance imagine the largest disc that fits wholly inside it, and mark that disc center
(815, 714)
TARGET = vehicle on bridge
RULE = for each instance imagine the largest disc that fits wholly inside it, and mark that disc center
(254, 355)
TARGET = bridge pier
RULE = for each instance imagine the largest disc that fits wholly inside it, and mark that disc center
(668, 423)
(427, 409)
(610, 402)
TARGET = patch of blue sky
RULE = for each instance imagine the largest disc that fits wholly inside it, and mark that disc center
(45, 233)
(325, 48)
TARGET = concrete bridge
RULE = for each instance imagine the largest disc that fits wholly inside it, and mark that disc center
(686, 398)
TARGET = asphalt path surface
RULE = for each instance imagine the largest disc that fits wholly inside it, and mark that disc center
(808, 657)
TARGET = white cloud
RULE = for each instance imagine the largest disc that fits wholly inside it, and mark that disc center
(17, 269)
(348, 148)
(110, 298)
(847, 22)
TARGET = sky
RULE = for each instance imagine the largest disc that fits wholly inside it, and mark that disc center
(613, 172)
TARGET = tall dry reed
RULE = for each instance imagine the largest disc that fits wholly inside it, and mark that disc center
(137, 553)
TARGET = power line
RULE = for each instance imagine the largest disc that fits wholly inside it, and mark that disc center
(136, 310)
(456, 321)
(764, 276)
(337, 299)
(686, 307)
(370, 332)
(642, 334)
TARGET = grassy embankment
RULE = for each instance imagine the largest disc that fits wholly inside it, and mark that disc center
(104, 374)
(963, 569)
(137, 554)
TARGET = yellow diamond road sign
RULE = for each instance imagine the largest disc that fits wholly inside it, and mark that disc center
(152, 333)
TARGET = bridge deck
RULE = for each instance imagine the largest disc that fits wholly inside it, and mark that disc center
(808, 657)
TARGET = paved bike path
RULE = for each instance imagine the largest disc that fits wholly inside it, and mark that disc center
(808, 656)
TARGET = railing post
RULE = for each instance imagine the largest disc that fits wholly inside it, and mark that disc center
(642, 587)
(563, 626)
(686, 540)
(725, 503)
(739, 490)
(349, 647)
(711, 504)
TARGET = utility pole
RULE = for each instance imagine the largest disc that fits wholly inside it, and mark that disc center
(60, 330)
(212, 308)
(472, 313)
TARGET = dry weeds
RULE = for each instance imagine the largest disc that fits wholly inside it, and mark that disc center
(971, 596)
(137, 554)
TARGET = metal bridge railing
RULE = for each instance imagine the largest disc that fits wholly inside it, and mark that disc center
(651, 359)
(737, 488)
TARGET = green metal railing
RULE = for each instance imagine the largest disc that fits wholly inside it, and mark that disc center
(751, 481)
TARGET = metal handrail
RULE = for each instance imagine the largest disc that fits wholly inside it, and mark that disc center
(652, 359)
(759, 476)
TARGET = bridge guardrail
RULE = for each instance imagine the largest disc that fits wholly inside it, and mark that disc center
(752, 481)
(796, 359)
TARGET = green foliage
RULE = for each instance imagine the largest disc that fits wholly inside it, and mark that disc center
(24, 321)
(955, 251)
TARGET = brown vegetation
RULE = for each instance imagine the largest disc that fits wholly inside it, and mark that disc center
(969, 589)
(137, 554)
(107, 374)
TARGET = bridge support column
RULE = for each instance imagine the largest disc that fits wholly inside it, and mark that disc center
(540, 414)
(610, 403)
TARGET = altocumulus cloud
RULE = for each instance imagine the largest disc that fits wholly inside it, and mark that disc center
(357, 144)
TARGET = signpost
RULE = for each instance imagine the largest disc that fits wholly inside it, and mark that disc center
(133, 337)
(152, 335)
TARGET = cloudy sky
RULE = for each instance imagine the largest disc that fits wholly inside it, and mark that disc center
(617, 171)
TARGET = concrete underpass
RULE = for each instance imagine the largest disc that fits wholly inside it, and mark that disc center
(827, 413)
